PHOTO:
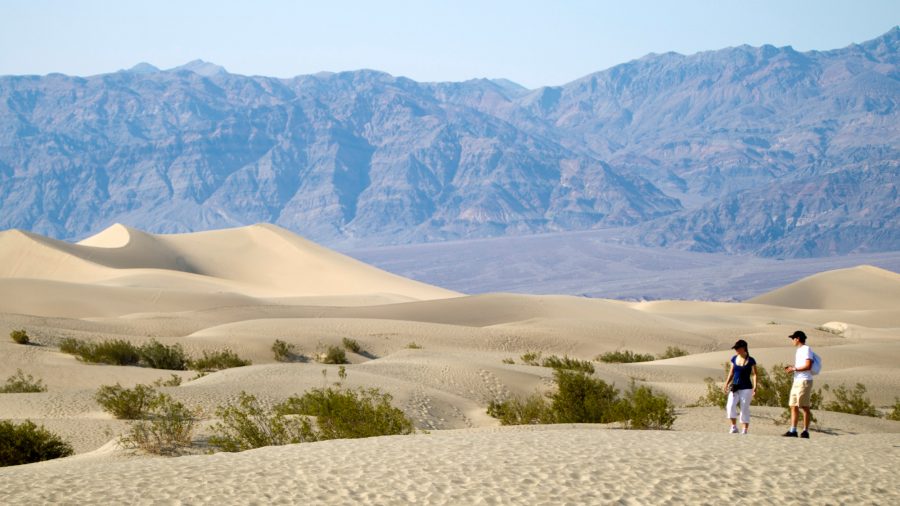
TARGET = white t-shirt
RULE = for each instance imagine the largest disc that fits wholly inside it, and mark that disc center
(803, 353)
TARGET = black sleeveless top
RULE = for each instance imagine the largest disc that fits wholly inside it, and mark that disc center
(742, 374)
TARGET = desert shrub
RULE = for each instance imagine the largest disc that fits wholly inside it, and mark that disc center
(70, 345)
(853, 401)
(531, 358)
(714, 396)
(19, 336)
(413, 346)
(531, 410)
(247, 425)
(673, 352)
(624, 357)
(25, 443)
(216, 361)
(351, 345)
(508, 361)
(568, 363)
(895, 411)
(168, 428)
(126, 403)
(334, 355)
(114, 352)
(346, 414)
(159, 356)
(20, 383)
(643, 409)
(581, 398)
(284, 351)
(173, 381)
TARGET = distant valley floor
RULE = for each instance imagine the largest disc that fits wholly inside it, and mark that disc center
(598, 263)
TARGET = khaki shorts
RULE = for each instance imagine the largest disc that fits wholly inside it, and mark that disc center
(801, 393)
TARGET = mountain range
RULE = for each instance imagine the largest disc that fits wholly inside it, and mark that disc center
(759, 150)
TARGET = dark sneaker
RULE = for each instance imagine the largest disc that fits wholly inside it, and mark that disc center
(804, 435)
(791, 434)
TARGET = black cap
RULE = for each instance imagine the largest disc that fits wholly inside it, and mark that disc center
(799, 334)
(740, 344)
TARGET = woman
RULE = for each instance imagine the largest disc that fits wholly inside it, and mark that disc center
(740, 385)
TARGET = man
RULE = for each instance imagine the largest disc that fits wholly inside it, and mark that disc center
(801, 391)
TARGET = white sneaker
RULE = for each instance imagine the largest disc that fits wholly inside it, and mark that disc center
(744, 431)
(734, 430)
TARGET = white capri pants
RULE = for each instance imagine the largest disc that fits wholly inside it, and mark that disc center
(743, 398)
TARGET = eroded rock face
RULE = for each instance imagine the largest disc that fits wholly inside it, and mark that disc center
(764, 150)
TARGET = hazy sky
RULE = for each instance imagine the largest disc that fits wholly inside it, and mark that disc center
(534, 43)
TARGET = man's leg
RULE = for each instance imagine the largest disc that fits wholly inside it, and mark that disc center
(795, 413)
(806, 417)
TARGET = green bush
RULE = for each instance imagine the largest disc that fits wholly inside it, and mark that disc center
(168, 429)
(347, 414)
(895, 411)
(284, 351)
(853, 401)
(531, 358)
(351, 345)
(568, 363)
(19, 383)
(19, 336)
(114, 352)
(673, 352)
(643, 409)
(25, 443)
(70, 345)
(216, 361)
(173, 381)
(126, 403)
(159, 356)
(334, 355)
(624, 357)
(508, 361)
(247, 425)
(413, 346)
(581, 398)
(532, 410)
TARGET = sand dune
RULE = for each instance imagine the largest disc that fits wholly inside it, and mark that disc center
(244, 288)
(859, 288)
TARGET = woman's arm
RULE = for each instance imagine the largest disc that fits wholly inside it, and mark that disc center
(753, 377)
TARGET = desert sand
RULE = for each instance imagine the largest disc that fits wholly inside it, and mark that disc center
(243, 288)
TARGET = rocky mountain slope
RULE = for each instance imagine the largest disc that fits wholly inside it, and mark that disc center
(764, 150)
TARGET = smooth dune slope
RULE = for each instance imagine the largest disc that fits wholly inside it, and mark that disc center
(858, 288)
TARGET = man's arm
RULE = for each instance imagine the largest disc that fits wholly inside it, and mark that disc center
(806, 366)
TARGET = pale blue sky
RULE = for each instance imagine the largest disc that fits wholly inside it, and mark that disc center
(534, 43)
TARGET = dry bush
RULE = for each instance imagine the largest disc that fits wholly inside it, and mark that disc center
(167, 429)
(25, 443)
(19, 336)
(216, 361)
(20, 383)
(126, 403)
(624, 357)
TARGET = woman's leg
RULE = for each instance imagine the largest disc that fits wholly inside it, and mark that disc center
(746, 396)
(731, 409)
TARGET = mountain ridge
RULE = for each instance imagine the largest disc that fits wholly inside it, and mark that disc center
(366, 157)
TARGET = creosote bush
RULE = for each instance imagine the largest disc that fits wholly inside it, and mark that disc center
(853, 401)
(216, 361)
(20, 383)
(624, 357)
(581, 398)
(568, 363)
(284, 351)
(351, 345)
(413, 346)
(531, 358)
(168, 428)
(126, 403)
(673, 352)
(333, 355)
(159, 356)
(173, 381)
(247, 425)
(346, 414)
(509, 361)
(114, 352)
(25, 443)
(19, 336)
(895, 411)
